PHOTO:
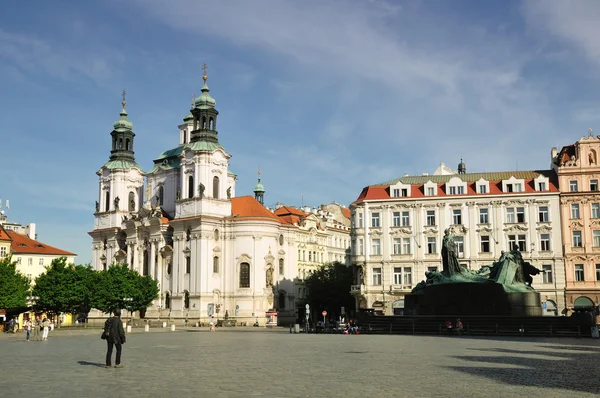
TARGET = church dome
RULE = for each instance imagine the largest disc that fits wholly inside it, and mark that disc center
(188, 117)
(204, 100)
(123, 123)
(462, 167)
(259, 187)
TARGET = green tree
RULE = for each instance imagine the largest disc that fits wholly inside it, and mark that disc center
(329, 289)
(119, 283)
(54, 289)
(14, 287)
(83, 280)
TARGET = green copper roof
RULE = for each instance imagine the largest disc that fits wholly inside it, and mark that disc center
(204, 146)
(170, 159)
(122, 164)
(259, 187)
(187, 117)
(204, 100)
(123, 123)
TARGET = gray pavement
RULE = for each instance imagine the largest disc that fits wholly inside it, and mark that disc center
(256, 362)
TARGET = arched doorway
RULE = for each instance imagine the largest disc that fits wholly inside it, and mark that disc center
(583, 303)
(398, 307)
(549, 307)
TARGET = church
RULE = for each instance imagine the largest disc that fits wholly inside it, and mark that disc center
(212, 252)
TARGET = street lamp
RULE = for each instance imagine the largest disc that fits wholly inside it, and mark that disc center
(128, 301)
(31, 300)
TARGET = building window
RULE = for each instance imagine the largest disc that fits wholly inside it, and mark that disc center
(452, 190)
(405, 245)
(3, 251)
(430, 218)
(396, 219)
(407, 276)
(547, 273)
(483, 216)
(161, 196)
(597, 272)
(482, 188)
(543, 214)
(376, 247)
(515, 215)
(521, 242)
(396, 192)
(244, 275)
(517, 242)
(430, 191)
(431, 245)
(579, 275)
(397, 276)
(215, 265)
(18, 260)
(595, 210)
(461, 190)
(216, 187)
(167, 301)
(190, 187)
(456, 217)
(541, 186)
(360, 220)
(309, 255)
(432, 269)
(545, 242)
(41, 261)
(360, 247)
(518, 188)
(593, 185)
(30, 261)
(577, 239)
(375, 220)
(485, 244)
(575, 210)
(281, 267)
(573, 186)
(186, 300)
(596, 236)
(188, 264)
(377, 276)
(404, 192)
(397, 245)
(405, 219)
(460, 245)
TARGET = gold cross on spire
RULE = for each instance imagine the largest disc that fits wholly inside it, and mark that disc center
(259, 171)
(204, 68)
(123, 94)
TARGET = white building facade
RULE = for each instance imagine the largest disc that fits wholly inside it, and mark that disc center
(397, 229)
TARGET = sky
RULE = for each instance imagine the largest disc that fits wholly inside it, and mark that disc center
(327, 96)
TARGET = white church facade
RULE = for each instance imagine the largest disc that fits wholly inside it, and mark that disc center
(212, 252)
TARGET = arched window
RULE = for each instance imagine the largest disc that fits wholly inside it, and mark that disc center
(184, 137)
(146, 267)
(161, 194)
(190, 187)
(281, 300)
(188, 234)
(244, 275)
(186, 300)
(169, 268)
(281, 270)
(216, 187)
(211, 123)
(215, 264)
(114, 146)
(216, 234)
(167, 301)
(203, 122)
(120, 143)
(107, 201)
(127, 142)
(131, 201)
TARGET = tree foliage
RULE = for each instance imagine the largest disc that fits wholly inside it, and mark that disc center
(55, 289)
(119, 283)
(14, 287)
(329, 289)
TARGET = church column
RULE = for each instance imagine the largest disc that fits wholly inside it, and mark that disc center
(151, 262)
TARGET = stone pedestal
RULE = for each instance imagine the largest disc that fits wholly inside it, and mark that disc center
(472, 299)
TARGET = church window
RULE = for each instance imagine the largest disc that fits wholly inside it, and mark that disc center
(120, 143)
(188, 264)
(244, 275)
(216, 187)
(281, 267)
(107, 201)
(188, 234)
(215, 265)
(281, 240)
(216, 234)
(127, 144)
(167, 301)
(184, 137)
(169, 268)
(190, 187)
(186, 300)
(114, 144)
(146, 267)
(211, 123)
(131, 201)
(203, 122)
(161, 194)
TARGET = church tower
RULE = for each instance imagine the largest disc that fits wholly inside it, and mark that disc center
(259, 190)
(120, 188)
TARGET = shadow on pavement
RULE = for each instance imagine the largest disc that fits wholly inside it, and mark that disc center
(100, 365)
(560, 370)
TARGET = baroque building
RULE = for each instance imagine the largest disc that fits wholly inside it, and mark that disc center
(578, 176)
(397, 228)
(212, 252)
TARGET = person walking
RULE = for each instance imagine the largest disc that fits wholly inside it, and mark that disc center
(46, 327)
(212, 323)
(28, 329)
(37, 325)
(115, 336)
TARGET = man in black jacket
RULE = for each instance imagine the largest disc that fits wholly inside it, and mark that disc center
(115, 335)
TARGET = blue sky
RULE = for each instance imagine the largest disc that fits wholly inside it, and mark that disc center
(327, 96)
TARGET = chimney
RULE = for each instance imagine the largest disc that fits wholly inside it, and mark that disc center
(554, 153)
(30, 230)
(426, 174)
(405, 174)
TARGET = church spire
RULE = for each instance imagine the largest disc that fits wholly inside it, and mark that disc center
(205, 114)
(122, 135)
(259, 190)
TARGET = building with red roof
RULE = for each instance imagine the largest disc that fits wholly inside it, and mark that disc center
(397, 227)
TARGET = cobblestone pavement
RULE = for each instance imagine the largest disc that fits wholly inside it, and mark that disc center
(252, 362)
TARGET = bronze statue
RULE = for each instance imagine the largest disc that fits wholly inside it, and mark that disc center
(450, 263)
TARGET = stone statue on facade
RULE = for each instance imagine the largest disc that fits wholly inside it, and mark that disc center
(229, 193)
(116, 203)
(132, 205)
(178, 193)
(97, 207)
(201, 189)
(269, 279)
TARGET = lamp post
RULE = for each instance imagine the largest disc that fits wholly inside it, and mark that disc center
(127, 302)
(31, 300)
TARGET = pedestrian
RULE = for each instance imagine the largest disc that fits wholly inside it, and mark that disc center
(11, 324)
(46, 327)
(459, 327)
(115, 336)
(212, 323)
(37, 326)
(449, 327)
(28, 329)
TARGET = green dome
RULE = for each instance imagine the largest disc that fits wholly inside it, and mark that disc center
(123, 123)
(204, 100)
(259, 187)
(188, 117)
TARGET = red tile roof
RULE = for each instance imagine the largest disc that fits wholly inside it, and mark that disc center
(248, 207)
(346, 212)
(3, 234)
(22, 244)
(289, 210)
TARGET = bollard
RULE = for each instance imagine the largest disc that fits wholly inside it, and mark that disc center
(172, 328)
(128, 328)
(296, 328)
(147, 328)
(290, 328)
(164, 324)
